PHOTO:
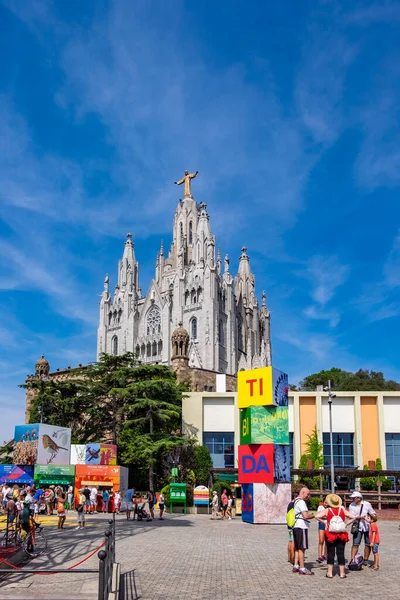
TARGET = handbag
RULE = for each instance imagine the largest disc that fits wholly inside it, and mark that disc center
(355, 527)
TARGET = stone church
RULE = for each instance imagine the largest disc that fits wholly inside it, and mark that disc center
(192, 289)
(196, 317)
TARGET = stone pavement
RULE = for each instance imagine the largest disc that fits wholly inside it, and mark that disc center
(189, 557)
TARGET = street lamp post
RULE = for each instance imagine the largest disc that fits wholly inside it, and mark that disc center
(331, 395)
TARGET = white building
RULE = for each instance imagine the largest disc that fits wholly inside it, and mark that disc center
(227, 328)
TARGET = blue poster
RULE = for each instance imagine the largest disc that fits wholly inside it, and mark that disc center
(92, 456)
(15, 474)
(247, 503)
(281, 463)
(280, 384)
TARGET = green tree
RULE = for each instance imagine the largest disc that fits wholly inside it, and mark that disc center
(202, 465)
(152, 428)
(60, 403)
(313, 452)
(342, 381)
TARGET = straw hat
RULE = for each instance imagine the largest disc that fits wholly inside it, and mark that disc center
(333, 500)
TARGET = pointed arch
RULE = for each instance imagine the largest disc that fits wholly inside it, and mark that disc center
(114, 345)
(193, 328)
(190, 232)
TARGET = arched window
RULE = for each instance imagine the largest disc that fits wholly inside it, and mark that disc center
(109, 318)
(154, 349)
(153, 321)
(160, 348)
(194, 329)
(137, 351)
(181, 232)
(114, 345)
(199, 295)
(148, 350)
(190, 232)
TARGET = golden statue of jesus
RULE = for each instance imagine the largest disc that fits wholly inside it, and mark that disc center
(186, 180)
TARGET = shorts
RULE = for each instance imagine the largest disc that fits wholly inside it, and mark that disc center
(161, 506)
(81, 517)
(375, 548)
(36, 509)
(321, 527)
(61, 514)
(291, 537)
(129, 506)
(357, 538)
(11, 517)
(87, 502)
(300, 538)
(151, 505)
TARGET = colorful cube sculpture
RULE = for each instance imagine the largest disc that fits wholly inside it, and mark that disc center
(262, 387)
(41, 444)
(264, 452)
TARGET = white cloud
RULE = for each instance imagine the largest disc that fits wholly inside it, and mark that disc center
(325, 274)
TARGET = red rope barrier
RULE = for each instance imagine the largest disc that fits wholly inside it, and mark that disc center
(46, 572)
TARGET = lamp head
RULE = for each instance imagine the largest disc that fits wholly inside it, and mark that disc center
(326, 389)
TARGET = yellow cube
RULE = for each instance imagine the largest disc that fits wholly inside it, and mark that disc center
(262, 387)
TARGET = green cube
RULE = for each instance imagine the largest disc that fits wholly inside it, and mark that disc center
(264, 425)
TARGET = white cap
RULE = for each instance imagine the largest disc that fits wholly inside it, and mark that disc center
(356, 495)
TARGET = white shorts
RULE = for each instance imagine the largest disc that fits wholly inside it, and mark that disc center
(129, 506)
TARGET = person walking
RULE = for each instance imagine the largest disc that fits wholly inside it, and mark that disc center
(214, 506)
(70, 494)
(224, 503)
(150, 499)
(161, 506)
(374, 539)
(106, 499)
(336, 536)
(80, 510)
(128, 500)
(229, 507)
(360, 509)
(117, 501)
(290, 546)
(300, 531)
(93, 500)
(86, 493)
(322, 553)
(61, 500)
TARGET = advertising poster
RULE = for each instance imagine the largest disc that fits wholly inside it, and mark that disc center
(264, 425)
(92, 454)
(54, 446)
(201, 495)
(282, 463)
(247, 504)
(15, 474)
(54, 475)
(280, 382)
(78, 454)
(108, 454)
(25, 444)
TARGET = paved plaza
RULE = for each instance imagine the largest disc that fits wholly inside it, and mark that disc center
(185, 557)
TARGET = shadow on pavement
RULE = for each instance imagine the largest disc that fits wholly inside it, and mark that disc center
(128, 587)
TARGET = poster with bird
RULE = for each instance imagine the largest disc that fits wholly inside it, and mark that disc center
(54, 445)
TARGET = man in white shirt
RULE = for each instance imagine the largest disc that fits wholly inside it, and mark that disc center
(300, 531)
(5, 492)
(360, 509)
(93, 500)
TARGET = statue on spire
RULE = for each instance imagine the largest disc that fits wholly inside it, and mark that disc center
(186, 181)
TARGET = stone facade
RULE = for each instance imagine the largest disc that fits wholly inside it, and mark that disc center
(228, 330)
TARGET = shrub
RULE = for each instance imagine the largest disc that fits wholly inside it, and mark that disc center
(202, 464)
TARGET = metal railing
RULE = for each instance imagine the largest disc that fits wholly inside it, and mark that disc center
(108, 570)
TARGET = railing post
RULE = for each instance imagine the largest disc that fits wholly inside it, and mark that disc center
(102, 555)
(7, 523)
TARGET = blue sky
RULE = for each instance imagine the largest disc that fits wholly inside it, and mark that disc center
(288, 110)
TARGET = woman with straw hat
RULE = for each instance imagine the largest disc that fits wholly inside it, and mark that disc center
(335, 516)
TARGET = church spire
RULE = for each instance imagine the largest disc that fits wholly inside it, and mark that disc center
(127, 271)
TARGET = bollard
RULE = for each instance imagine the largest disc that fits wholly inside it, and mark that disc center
(102, 555)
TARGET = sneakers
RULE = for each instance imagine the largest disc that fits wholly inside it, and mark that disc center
(295, 569)
(320, 559)
(78, 527)
(305, 572)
